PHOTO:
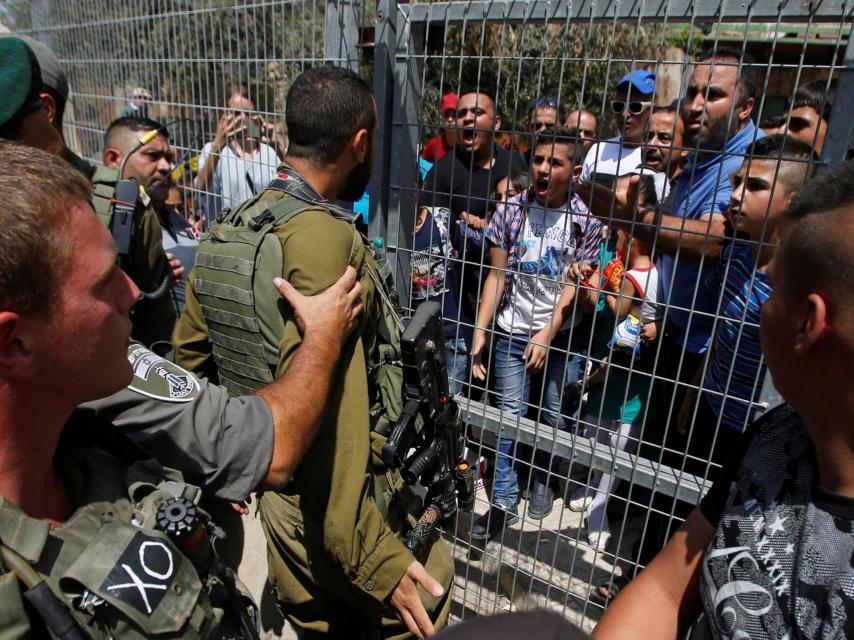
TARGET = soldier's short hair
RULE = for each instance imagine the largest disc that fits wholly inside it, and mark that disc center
(326, 106)
(135, 124)
(37, 189)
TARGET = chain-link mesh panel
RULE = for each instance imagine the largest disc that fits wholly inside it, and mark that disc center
(607, 356)
(619, 345)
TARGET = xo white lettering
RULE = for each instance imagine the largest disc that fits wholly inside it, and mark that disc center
(137, 583)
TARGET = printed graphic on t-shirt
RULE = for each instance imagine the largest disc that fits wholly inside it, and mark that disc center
(547, 248)
(430, 257)
(546, 253)
(779, 565)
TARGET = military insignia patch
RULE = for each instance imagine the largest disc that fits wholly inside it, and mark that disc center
(158, 378)
(143, 573)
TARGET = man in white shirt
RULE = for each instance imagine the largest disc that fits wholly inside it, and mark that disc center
(242, 158)
(622, 155)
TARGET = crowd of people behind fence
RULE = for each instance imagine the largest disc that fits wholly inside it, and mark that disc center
(611, 288)
(627, 273)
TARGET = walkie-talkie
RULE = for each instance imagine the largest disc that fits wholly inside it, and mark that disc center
(124, 205)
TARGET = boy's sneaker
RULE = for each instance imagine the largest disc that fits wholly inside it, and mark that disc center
(493, 521)
(541, 502)
(580, 504)
(599, 540)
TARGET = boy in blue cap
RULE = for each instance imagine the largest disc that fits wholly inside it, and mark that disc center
(621, 155)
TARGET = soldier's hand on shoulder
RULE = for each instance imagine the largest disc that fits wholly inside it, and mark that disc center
(331, 315)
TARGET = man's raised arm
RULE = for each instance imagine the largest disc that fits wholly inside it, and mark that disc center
(234, 445)
(691, 240)
(664, 600)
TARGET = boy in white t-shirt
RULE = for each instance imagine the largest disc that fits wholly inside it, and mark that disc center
(534, 238)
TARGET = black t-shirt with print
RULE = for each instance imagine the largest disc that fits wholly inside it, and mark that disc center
(456, 183)
(781, 561)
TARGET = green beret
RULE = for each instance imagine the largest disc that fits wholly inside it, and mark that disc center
(53, 76)
(20, 80)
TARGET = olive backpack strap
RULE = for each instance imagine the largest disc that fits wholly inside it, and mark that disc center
(235, 265)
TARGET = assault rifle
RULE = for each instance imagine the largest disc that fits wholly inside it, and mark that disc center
(427, 441)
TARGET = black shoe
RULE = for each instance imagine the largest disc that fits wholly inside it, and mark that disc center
(541, 501)
(492, 522)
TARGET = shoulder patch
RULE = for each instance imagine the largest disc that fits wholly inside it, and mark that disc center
(159, 378)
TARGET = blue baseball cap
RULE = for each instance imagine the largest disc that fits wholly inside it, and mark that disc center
(643, 81)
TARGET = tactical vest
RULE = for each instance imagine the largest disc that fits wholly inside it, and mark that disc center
(110, 567)
(235, 264)
(103, 189)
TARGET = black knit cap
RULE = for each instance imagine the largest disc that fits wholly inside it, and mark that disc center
(20, 80)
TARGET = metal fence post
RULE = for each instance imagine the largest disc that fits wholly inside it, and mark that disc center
(398, 96)
(839, 142)
(404, 170)
(384, 43)
(341, 33)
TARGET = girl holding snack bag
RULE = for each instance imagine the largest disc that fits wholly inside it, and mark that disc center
(624, 298)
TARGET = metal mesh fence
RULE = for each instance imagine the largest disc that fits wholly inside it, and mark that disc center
(585, 457)
(606, 429)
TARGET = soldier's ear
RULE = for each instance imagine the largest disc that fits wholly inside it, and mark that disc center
(17, 359)
(112, 157)
(361, 145)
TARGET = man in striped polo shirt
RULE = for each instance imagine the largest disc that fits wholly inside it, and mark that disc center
(773, 171)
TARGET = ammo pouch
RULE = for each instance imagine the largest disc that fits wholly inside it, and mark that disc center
(386, 374)
(121, 577)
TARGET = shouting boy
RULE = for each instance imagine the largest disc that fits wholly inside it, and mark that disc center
(534, 238)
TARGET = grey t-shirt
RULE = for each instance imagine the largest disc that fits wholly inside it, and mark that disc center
(218, 442)
(237, 179)
(181, 239)
(780, 562)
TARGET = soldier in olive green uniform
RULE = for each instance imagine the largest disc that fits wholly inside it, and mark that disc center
(149, 166)
(24, 118)
(99, 539)
(335, 554)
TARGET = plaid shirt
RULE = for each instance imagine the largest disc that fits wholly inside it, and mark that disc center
(505, 232)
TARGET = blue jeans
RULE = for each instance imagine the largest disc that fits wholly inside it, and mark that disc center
(457, 361)
(512, 386)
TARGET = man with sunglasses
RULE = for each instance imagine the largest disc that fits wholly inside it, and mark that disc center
(688, 235)
(633, 97)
